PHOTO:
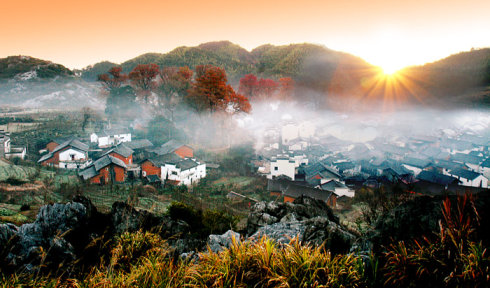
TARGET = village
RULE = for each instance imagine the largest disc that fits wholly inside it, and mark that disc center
(296, 158)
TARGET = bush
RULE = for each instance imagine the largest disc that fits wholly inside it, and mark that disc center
(14, 181)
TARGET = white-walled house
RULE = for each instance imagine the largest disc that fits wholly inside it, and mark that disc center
(71, 154)
(469, 178)
(185, 172)
(282, 165)
(339, 188)
(111, 137)
(4, 144)
(485, 167)
(416, 165)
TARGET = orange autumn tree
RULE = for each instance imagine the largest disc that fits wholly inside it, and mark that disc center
(142, 77)
(210, 92)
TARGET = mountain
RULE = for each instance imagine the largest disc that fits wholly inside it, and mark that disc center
(36, 83)
(324, 76)
(29, 67)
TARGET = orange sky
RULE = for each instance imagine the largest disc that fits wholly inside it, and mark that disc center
(384, 32)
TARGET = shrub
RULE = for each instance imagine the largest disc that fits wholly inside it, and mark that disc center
(25, 207)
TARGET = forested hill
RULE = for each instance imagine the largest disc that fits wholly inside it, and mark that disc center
(29, 67)
(266, 61)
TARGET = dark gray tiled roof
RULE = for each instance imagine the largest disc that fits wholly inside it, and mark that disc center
(436, 178)
(296, 191)
(106, 160)
(466, 158)
(186, 164)
(120, 149)
(466, 174)
(416, 162)
(139, 144)
(168, 147)
(100, 163)
(161, 160)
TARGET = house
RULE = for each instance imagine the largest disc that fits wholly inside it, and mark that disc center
(339, 188)
(444, 166)
(174, 146)
(54, 143)
(471, 161)
(170, 167)
(9, 151)
(485, 166)
(4, 144)
(457, 146)
(397, 173)
(294, 191)
(139, 144)
(282, 165)
(347, 168)
(416, 165)
(122, 152)
(437, 178)
(185, 172)
(153, 180)
(110, 137)
(104, 170)
(153, 165)
(71, 154)
(469, 178)
(319, 172)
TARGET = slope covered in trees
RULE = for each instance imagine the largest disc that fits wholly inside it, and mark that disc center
(16, 65)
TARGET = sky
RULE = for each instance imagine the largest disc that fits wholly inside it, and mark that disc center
(388, 33)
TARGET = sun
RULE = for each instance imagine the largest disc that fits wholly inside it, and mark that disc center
(389, 70)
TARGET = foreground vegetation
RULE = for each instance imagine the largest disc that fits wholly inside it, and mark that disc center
(453, 258)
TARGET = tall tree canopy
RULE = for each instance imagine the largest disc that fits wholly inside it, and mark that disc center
(210, 92)
(142, 77)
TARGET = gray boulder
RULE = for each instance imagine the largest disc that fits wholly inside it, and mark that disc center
(218, 242)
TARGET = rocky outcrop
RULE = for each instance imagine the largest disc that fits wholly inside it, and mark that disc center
(420, 217)
(47, 240)
(302, 208)
(309, 220)
(218, 243)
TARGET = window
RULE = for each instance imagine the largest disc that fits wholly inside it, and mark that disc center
(174, 172)
(276, 168)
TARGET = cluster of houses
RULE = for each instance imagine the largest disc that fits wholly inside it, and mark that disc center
(112, 156)
(7, 150)
(297, 162)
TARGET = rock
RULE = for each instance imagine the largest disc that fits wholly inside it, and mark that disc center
(302, 208)
(45, 240)
(125, 218)
(7, 231)
(218, 242)
(321, 231)
(280, 232)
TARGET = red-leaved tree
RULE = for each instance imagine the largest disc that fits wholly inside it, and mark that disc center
(142, 77)
(210, 92)
(114, 78)
(248, 86)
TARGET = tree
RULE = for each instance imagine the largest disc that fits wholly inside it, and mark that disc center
(172, 86)
(113, 78)
(142, 77)
(210, 91)
(267, 87)
(248, 86)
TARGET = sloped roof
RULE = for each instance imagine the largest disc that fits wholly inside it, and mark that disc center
(100, 163)
(416, 162)
(168, 147)
(139, 144)
(331, 185)
(466, 158)
(161, 160)
(106, 160)
(153, 178)
(74, 143)
(448, 165)
(466, 174)
(88, 172)
(120, 149)
(186, 164)
(436, 178)
(320, 169)
(486, 163)
(296, 191)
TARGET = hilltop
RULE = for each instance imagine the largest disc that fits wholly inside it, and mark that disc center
(27, 67)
